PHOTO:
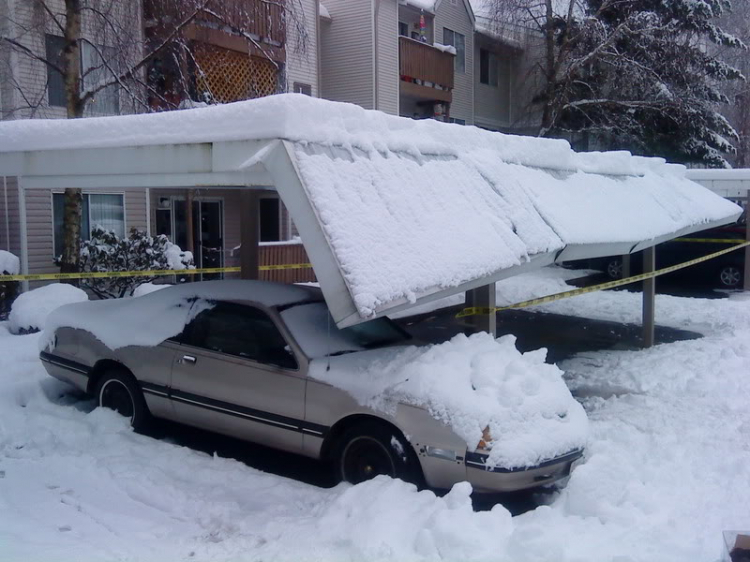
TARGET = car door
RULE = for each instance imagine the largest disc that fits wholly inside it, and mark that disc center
(237, 375)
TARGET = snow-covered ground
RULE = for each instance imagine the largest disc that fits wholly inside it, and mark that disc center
(667, 468)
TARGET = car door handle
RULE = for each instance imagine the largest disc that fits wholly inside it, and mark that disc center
(188, 359)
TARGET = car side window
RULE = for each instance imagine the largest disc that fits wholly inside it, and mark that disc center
(242, 331)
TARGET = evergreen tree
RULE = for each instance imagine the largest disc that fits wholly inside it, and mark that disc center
(644, 76)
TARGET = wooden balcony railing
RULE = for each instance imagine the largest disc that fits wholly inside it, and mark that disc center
(420, 61)
(265, 20)
(281, 254)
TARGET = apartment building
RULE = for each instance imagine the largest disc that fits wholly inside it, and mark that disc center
(415, 58)
(425, 59)
(265, 53)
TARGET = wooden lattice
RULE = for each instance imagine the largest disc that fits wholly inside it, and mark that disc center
(224, 75)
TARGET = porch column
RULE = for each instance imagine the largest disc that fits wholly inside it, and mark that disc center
(649, 296)
(483, 297)
(249, 233)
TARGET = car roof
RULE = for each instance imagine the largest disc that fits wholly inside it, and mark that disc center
(267, 293)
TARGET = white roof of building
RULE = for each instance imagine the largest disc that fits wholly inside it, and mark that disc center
(392, 211)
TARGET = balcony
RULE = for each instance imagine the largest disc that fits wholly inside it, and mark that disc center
(426, 72)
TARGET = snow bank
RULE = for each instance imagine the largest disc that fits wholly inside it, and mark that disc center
(9, 263)
(31, 310)
(152, 318)
(470, 383)
(666, 471)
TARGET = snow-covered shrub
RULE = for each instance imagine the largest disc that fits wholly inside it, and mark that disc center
(30, 310)
(107, 252)
(9, 265)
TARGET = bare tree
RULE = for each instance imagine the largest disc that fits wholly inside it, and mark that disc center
(107, 53)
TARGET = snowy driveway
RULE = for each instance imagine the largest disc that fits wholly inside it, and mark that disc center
(666, 471)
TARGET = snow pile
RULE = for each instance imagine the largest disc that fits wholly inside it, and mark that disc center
(445, 48)
(147, 288)
(9, 263)
(470, 383)
(31, 309)
(666, 471)
(152, 318)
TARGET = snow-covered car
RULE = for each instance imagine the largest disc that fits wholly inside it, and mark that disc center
(264, 362)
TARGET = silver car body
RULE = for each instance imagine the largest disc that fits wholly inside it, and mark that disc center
(283, 408)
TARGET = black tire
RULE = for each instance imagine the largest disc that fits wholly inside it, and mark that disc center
(370, 449)
(729, 276)
(118, 390)
(614, 269)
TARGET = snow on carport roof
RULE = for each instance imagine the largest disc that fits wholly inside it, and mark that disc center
(393, 210)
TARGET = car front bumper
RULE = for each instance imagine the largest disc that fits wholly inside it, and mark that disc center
(491, 479)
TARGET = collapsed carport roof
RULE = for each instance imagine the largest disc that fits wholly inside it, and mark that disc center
(391, 211)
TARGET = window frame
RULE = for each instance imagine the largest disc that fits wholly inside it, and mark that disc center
(489, 68)
(302, 88)
(460, 56)
(88, 49)
(186, 337)
(85, 45)
(88, 208)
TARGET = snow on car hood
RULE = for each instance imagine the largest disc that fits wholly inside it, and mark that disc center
(470, 383)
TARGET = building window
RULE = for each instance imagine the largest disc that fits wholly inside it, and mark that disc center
(104, 210)
(93, 71)
(300, 88)
(458, 41)
(55, 82)
(457, 121)
(96, 67)
(488, 68)
(403, 29)
(270, 220)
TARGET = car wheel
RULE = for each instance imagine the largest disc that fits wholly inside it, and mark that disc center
(614, 269)
(118, 390)
(730, 277)
(369, 450)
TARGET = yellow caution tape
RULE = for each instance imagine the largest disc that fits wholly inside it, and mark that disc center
(711, 240)
(148, 273)
(476, 311)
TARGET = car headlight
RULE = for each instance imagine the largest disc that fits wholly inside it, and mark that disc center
(485, 443)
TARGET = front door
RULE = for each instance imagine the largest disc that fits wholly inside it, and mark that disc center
(235, 374)
(208, 228)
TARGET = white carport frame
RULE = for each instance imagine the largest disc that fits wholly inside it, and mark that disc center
(253, 166)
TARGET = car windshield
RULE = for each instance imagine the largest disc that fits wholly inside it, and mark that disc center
(311, 325)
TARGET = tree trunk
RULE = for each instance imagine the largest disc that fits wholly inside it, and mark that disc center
(73, 197)
(548, 119)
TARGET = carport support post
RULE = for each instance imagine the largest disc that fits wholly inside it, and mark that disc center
(249, 233)
(649, 296)
(483, 297)
(626, 266)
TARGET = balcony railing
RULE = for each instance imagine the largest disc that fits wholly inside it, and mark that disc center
(423, 62)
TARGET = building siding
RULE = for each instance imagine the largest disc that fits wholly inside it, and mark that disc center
(302, 49)
(457, 18)
(388, 68)
(347, 52)
(492, 104)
